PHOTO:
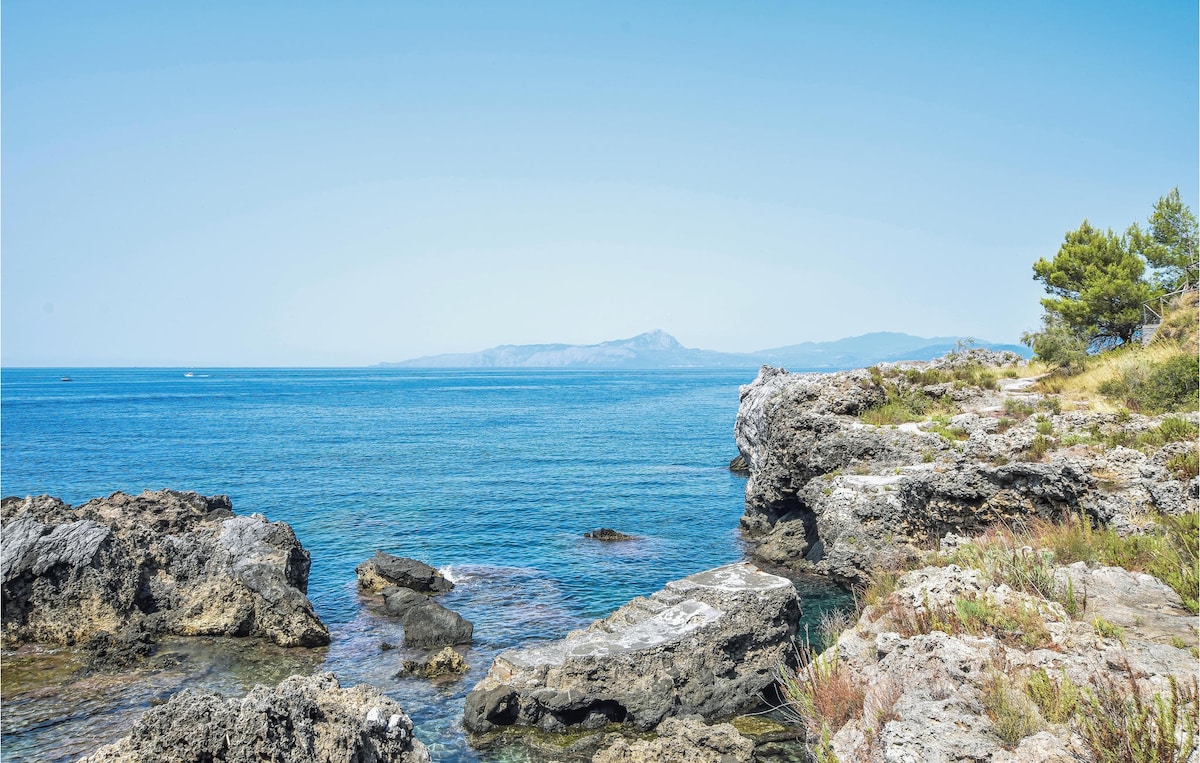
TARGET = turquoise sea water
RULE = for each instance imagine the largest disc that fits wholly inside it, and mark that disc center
(491, 475)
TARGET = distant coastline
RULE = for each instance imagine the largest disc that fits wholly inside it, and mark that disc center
(658, 349)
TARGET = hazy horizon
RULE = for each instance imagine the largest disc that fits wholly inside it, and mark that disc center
(250, 185)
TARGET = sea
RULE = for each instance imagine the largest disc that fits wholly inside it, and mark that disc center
(493, 476)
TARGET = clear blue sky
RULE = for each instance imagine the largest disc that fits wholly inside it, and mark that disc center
(253, 183)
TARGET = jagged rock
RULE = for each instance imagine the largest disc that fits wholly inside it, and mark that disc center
(445, 663)
(160, 563)
(739, 464)
(830, 494)
(607, 534)
(426, 623)
(926, 691)
(706, 645)
(305, 719)
(682, 740)
(384, 570)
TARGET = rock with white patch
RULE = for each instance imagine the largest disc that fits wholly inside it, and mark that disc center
(704, 645)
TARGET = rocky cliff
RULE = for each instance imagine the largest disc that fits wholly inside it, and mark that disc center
(130, 568)
(830, 493)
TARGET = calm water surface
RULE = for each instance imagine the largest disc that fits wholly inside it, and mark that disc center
(491, 475)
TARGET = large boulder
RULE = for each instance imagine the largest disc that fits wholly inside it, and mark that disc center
(384, 570)
(707, 645)
(304, 719)
(426, 623)
(162, 563)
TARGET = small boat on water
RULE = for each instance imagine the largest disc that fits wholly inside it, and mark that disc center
(66, 378)
(189, 374)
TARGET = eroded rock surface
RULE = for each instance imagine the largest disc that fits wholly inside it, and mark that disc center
(927, 690)
(121, 569)
(705, 645)
(831, 494)
(304, 719)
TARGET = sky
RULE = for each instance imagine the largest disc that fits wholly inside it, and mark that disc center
(339, 184)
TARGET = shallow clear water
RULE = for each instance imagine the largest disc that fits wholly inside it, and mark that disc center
(493, 475)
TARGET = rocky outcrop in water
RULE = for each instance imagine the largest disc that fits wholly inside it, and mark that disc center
(384, 570)
(607, 534)
(831, 494)
(427, 624)
(704, 645)
(304, 719)
(445, 663)
(120, 570)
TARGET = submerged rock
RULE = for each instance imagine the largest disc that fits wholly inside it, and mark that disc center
(682, 740)
(426, 623)
(704, 645)
(118, 570)
(304, 719)
(384, 570)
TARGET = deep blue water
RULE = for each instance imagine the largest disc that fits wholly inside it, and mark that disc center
(493, 474)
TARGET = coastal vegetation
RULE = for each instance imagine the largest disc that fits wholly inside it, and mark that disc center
(1108, 292)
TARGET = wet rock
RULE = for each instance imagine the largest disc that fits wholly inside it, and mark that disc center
(162, 563)
(739, 465)
(426, 623)
(607, 534)
(384, 570)
(445, 663)
(705, 645)
(304, 719)
(682, 740)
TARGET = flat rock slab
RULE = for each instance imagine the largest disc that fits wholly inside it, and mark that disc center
(704, 645)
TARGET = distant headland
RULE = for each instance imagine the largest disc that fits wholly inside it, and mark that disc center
(658, 349)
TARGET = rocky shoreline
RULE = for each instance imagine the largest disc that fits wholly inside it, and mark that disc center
(828, 492)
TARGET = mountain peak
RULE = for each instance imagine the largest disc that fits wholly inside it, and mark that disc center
(656, 339)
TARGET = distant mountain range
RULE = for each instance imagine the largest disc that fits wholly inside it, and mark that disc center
(658, 349)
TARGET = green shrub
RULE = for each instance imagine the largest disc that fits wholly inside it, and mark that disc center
(1038, 449)
(1018, 409)
(1011, 713)
(1185, 465)
(1172, 385)
(1119, 725)
(1057, 701)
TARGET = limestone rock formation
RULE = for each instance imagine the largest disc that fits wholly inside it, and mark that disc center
(384, 570)
(682, 740)
(929, 682)
(304, 719)
(830, 494)
(705, 645)
(426, 623)
(121, 569)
